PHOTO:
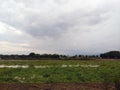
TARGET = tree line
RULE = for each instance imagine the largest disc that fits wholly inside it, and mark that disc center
(34, 56)
(111, 54)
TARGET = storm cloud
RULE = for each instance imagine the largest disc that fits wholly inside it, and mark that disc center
(59, 26)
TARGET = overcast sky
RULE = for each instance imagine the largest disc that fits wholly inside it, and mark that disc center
(59, 26)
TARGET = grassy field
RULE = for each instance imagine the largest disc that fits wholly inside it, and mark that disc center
(50, 71)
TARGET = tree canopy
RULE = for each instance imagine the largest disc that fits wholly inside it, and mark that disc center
(111, 54)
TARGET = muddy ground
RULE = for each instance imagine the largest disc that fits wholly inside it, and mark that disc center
(58, 86)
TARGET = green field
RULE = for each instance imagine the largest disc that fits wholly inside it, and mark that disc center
(50, 71)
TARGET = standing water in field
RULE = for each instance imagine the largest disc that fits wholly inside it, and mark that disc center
(14, 66)
(46, 66)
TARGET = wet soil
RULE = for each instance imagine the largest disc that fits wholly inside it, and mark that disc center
(58, 86)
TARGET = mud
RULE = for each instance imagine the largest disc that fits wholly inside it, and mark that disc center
(58, 86)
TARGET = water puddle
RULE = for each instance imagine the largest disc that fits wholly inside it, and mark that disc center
(48, 66)
(14, 66)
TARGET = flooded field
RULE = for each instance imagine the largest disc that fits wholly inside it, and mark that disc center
(51, 71)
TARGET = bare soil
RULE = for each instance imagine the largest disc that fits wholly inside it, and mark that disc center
(58, 86)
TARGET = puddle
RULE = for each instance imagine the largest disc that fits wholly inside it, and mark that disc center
(90, 66)
(14, 66)
(47, 66)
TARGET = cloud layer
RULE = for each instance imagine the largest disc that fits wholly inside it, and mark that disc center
(59, 26)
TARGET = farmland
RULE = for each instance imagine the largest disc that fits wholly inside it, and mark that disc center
(59, 71)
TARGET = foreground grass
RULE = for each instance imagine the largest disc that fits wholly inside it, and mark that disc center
(108, 71)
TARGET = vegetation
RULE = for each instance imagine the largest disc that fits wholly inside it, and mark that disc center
(34, 56)
(107, 72)
(31, 56)
(111, 54)
(52, 68)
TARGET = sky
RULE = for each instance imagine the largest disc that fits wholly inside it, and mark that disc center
(59, 26)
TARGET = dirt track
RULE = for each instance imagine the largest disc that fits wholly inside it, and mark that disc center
(57, 86)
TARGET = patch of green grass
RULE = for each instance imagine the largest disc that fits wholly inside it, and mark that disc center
(108, 72)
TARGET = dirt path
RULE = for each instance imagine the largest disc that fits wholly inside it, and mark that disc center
(57, 86)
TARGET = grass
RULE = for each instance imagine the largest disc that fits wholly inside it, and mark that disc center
(108, 71)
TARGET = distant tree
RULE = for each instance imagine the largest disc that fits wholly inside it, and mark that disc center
(32, 54)
(111, 54)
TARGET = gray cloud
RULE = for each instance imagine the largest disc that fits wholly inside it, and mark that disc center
(28, 17)
(61, 26)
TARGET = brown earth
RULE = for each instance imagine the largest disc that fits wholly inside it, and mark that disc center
(58, 86)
